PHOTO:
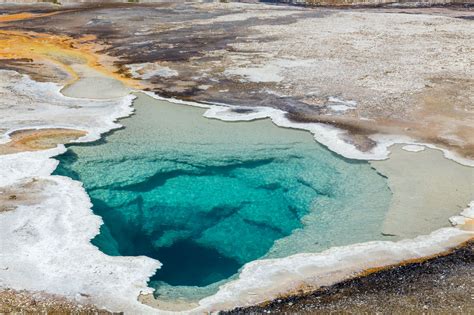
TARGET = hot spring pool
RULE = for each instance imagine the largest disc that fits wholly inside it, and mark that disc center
(205, 197)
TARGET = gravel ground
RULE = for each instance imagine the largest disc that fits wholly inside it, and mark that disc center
(442, 285)
(24, 302)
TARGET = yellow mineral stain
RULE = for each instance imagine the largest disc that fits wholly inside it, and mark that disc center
(39, 139)
(23, 16)
(61, 50)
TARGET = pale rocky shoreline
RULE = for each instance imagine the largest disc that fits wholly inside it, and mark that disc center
(441, 285)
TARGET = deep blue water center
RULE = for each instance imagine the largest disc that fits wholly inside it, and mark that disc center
(205, 197)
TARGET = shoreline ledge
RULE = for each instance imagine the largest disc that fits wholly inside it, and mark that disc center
(425, 285)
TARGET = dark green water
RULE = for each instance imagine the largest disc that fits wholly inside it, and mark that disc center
(205, 197)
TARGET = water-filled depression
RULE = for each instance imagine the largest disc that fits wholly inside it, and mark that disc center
(205, 197)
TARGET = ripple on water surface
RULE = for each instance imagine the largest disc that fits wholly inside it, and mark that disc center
(205, 197)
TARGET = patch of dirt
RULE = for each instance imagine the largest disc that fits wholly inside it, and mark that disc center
(27, 193)
(24, 302)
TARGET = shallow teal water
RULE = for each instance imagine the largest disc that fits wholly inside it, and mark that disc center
(204, 196)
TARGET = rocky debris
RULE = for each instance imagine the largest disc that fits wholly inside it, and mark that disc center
(439, 285)
(12, 301)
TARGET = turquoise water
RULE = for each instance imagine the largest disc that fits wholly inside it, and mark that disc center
(204, 196)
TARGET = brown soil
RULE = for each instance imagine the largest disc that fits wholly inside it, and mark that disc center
(24, 302)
